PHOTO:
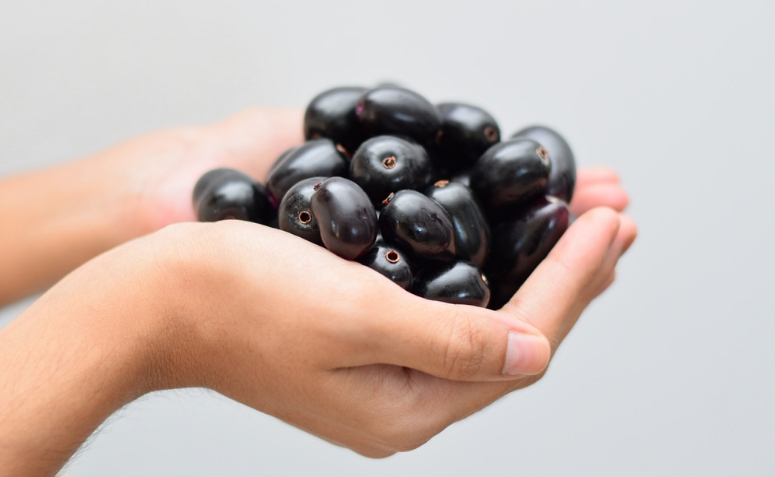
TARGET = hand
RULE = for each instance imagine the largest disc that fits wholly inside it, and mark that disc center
(363, 363)
(254, 313)
(56, 219)
(159, 170)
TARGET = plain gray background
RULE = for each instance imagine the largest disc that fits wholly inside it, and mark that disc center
(669, 373)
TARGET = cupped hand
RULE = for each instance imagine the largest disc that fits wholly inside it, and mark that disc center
(158, 171)
(334, 348)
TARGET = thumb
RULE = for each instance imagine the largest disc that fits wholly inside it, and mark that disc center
(457, 342)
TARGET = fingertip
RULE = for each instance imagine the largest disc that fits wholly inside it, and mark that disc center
(526, 354)
(597, 175)
(628, 231)
(599, 220)
(599, 195)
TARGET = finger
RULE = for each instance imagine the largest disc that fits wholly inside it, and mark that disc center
(455, 342)
(553, 293)
(596, 175)
(606, 283)
(598, 195)
(624, 238)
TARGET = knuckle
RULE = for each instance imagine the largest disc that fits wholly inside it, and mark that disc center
(465, 350)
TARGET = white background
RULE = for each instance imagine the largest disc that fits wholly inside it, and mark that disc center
(670, 373)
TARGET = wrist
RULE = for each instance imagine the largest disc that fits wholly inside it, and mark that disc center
(83, 350)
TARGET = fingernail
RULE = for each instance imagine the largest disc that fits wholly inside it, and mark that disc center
(525, 354)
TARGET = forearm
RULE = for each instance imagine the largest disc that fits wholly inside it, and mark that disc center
(55, 219)
(83, 350)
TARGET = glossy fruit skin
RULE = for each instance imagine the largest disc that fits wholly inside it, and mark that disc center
(510, 173)
(466, 133)
(230, 194)
(460, 283)
(521, 242)
(209, 178)
(345, 216)
(318, 157)
(419, 226)
(472, 233)
(331, 114)
(386, 164)
(280, 159)
(292, 208)
(562, 180)
(390, 261)
(463, 178)
(398, 112)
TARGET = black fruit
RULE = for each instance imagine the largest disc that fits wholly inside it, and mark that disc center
(332, 115)
(562, 179)
(318, 157)
(418, 225)
(463, 178)
(230, 194)
(386, 164)
(398, 112)
(510, 173)
(457, 282)
(472, 234)
(521, 242)
(346, 218)
(295, 212)
(280, 159)
(466, 133)
(390, 262)
(211, 177)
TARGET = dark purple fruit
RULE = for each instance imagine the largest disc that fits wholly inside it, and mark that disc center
(211, 177)
(346, 218)
(398, 112)
(463, 178)
(472, 234)
(332, 115)
(390, 262)
(386, 164)
(562, 179)
(456, 282)
(280, 159)
(520, 242)
(295, 212)
(510, 174)
(318, 157)
(466, 133)
(418, 225)
(230, 194)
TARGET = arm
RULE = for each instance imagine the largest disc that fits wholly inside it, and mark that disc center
(192, 305)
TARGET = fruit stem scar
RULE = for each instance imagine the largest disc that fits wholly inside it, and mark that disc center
(441, 183)
(389, 162)
(543, 154)
(491, 133)
(388, 199)
(392, 256)
(305, 217)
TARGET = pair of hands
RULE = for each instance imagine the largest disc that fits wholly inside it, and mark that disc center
(280, 324)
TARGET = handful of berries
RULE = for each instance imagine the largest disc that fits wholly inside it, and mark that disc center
(428, 196)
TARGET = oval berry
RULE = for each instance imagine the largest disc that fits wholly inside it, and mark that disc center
(562, 179)
(345, 216)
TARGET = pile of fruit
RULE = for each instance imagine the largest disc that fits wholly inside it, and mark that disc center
(428, 196)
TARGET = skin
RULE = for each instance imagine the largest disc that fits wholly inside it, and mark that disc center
(191, 305)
